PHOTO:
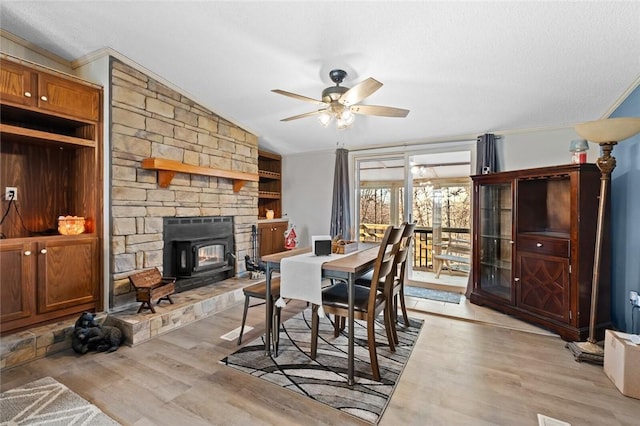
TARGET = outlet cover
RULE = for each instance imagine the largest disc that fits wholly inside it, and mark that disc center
(11, 193)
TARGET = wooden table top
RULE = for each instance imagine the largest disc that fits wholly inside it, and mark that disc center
(356, 262)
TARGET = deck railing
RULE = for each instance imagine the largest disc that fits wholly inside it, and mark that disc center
(423, 246)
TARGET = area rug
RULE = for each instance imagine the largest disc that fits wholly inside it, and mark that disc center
(48, 402)
(325, 379)
(427, 293)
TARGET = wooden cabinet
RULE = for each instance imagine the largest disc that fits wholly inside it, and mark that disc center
(18, 281)
(270, 184)
(271, 236)
(51, 151)
(24, 86)
(534, 240)
(17, 84)
(62, 96)
(46, 279)
(67, 271)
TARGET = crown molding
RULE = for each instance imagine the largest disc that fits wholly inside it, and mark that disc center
(622, 97)
(34, 48)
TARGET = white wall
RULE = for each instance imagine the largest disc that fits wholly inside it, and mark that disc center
(307, 187)
(540, 148)
(97, 71)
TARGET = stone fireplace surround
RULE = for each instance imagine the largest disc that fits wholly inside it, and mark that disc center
(150, 119)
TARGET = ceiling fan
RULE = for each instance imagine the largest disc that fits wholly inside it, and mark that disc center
(341, 102)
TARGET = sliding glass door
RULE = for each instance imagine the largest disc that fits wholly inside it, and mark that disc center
(431, 188)
(380, 197)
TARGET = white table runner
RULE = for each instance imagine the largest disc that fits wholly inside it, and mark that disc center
(301, 278)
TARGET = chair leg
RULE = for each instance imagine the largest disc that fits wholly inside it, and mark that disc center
(371, 341)
(393, 319)
(438, 268)
(405, 316)
(390, 327)
(336, 325)
(276, 328)
(315, 323)
(244, 318)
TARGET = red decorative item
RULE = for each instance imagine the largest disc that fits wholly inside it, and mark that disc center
(290, 239)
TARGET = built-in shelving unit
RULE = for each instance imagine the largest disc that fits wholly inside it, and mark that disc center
(51, 127)
(270, 184)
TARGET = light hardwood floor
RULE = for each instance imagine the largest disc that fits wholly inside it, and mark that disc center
(461, 372)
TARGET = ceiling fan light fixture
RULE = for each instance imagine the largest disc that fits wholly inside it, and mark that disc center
(344, 118)
(324, 118)
(347, 115)
(342, 103)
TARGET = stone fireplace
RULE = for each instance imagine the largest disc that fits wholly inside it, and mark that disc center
(198, 250)
(150, 119)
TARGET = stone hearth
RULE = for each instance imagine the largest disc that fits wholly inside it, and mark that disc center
(188, 307)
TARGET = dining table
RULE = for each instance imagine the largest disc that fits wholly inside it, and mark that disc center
(347, 268)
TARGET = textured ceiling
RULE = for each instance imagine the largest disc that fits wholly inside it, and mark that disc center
(462, 68)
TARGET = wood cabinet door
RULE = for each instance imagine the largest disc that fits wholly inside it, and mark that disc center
(265, 238)
(67, 273)
(277, 238)
(271, 237)
(67, 97)
(17, 263)
(543, 286)
(17, 84)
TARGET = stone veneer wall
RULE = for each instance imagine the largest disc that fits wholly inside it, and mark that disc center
(149, 119)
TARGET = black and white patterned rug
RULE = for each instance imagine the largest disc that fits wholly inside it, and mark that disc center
(48, 402)
(325, 379)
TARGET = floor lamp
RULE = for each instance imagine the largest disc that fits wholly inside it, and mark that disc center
(607, 133)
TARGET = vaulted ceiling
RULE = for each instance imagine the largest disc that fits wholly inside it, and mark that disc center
(461, 68)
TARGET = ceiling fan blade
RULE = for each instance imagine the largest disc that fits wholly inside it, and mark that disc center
(306, 114)
(359, 91)
(383, 111)
(299, 97)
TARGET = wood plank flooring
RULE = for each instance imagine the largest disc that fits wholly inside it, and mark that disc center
(460, 373)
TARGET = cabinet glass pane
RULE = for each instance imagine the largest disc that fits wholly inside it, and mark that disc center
(495, 214)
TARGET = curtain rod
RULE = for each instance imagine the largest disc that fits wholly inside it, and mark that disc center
(417, 143)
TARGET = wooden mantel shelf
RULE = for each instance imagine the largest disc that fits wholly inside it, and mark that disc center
(167, 169)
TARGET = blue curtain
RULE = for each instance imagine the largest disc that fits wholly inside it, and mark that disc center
(487, 159)
(340, 209)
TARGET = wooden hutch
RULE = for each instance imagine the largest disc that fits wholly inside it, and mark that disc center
(534, 242)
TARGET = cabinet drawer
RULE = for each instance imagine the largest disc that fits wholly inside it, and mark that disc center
(550, 246)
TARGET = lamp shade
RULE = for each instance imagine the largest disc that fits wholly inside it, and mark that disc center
(609, 129)
(578, 145)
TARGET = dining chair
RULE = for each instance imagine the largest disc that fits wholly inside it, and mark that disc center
(259, 291)
(402, 254)
(397, 290)
(369, 301)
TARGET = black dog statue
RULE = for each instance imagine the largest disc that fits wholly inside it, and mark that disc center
(88, 335)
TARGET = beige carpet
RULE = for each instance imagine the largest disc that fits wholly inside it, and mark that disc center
(48, 402)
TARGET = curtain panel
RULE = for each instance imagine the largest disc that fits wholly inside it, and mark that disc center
(340, 209)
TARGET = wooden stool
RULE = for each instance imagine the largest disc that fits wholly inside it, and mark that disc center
(259, 291)
(149, 285)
